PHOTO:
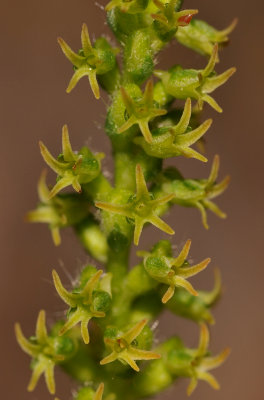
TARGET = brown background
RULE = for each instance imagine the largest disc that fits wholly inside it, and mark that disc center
(34, 105)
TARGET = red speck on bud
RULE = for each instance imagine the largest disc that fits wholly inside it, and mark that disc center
(185, 20)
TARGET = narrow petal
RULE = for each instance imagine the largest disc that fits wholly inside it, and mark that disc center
(61, 184)
(182, 125)
(42, 214)
(116, 209)
(138, 230)
(214, 208)
(41, 330)
(129, 360)
(86, 42)
(68, 154)
(36, 374)
(218, 189)
(43, 190)
(73, 320)
(108, 359)
(26, 345)
(148, 94)
(56, 237)
(84, 330)
(192, 385)
(94, 84)
(66, 296)
(138, 354)
(225, 32)
(210, 297)
(111, 5)
(74, 58)
(49, 377)
(208, 99)
(130, 335)
(214, 170)
(156, 221)
(203, 213)
(183, 254)
(130, 122)
(191, 153)
(162, 200)
(127, 101)
(161, 18)
(76, 186)
(79, 74)
(195, 269)
(141, 185)
(55, 165)
(190, 138)
(91, 284)
(214, 362)
(205, 376)
(203, 341)
(214, 82)
(144, 127)
(179, 281)
(99, 392)
(211, 63)
(168, 294)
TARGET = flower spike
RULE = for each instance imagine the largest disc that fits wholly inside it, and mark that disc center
(141, 208)
(72, 168)
(44, 350)
(85, 304)
(123, 350)
(176, 140)
(141, 111)
(59, 211)
(197, 84)
(90, 61)
(173, 271)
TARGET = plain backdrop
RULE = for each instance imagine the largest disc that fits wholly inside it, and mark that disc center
(33, 105)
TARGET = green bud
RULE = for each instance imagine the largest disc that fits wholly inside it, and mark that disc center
(101, 301)
(85, 393)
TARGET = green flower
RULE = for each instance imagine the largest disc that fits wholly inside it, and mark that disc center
(58, 211)
(141, 207)
(196, 84)
(46, 351)
(123, 350)
(72, 168)
(167, 20)
(86, 302)
(90, 61)
(173, 271)
(176, 140)
(141, 111)
(196, 363)
(201, 37)
(198, 192)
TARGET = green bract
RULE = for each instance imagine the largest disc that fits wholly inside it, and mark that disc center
(106, 341)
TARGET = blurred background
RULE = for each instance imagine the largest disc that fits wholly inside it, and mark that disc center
(34, 105)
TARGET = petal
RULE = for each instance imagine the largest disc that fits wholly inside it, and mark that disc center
(66, 296)
(41, 330)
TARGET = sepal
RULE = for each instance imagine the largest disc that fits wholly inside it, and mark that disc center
(174, 271)
(201, 37)
(58, 211)
(196, 84)
(90, 61)
(73, 169)
(123, 348)
(87, 301)
(176, 140)
(46, 351)
(140, 208)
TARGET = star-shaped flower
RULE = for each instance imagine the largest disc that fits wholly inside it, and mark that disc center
(197, 84)
(45, 350)
(141, 111)
(174, 271)
(176, 140)
(199, 192)
(202, 362)
(167, 19)
(85, 303)
(201, 37)
(123, 350)
(141, 207)
(72, 168)
(90, 61)
(59, 211)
